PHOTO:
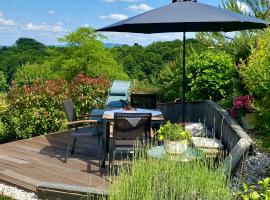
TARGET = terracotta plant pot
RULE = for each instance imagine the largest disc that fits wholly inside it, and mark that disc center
(249, 121)
(175, 147)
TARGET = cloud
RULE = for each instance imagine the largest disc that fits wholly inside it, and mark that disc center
(143, 39)
(243, 7)
(43, 27)
(140, 8)
(51, 12)
(113, 1)
(6, 22)
(114, 17)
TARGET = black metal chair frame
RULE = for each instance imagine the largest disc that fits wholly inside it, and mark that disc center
(123, 132)
(76, 124)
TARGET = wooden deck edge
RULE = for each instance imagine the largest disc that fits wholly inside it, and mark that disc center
(63, 192)
(19, 180)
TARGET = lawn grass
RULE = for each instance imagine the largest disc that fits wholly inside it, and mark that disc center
(150, 179)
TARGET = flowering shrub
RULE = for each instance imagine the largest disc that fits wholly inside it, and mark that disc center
(36, 109)
(88, 93)
(242, 105)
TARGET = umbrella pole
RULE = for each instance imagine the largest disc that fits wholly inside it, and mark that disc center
(184, 79)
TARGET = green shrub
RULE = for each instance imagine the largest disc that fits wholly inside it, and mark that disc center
(173, 132)
(210, 76)
(167, 179)
(88, 93)
(256, 192)
(256, 76)
(27, 74)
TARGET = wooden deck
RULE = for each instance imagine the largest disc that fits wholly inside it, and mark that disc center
(32, 162)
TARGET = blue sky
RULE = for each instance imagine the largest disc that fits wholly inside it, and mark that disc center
(47, 20)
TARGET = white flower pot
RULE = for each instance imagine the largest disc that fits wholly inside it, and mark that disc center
(249, 121)
(175, 147)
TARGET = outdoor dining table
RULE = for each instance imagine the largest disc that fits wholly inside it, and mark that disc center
(108, 117)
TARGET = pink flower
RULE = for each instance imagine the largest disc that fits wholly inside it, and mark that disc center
(242, 102)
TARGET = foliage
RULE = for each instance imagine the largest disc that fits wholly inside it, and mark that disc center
(86, 53)
(167, 179)
(210, 76)
(255, 74)
(28, 73)
(170, 80)
(144, 87)
(85, 91)
(146, 62)
(242, 105)
(36, 109)
(3, 82)
(173, 132)
(24, 51)
(255, 8)
(256, 192)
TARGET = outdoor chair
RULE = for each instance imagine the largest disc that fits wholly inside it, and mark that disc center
(130, 130)
(80, 126)
(144, 101)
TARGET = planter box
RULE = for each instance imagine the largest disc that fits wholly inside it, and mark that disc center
(236, 141)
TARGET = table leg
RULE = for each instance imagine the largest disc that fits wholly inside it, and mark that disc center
(104, 143)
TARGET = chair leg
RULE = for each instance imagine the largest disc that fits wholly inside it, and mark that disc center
(68, 147)
(73, 145)
(99, 149)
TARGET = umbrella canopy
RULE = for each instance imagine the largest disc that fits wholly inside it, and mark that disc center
(186, 16)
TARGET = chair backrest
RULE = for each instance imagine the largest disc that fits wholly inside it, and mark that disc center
(144, 101)
(119, 92)
(70, 111)
(131, 126)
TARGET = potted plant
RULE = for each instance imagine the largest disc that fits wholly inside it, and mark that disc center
(242, 108)
(175, 138)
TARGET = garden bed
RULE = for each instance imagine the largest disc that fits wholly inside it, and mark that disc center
(235, 139)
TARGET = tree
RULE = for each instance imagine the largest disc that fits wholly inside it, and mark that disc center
(3, 82)
(24, 51)
(86, 53)
(256, 8)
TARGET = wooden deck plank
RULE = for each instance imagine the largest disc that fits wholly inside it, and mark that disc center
(56, 170)
(40, 159)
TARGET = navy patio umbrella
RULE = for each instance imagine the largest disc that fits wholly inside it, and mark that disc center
(186, 16)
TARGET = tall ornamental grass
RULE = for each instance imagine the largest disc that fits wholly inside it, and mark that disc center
(153, 179)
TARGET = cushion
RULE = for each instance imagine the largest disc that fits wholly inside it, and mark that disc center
(118, 91)
(198, 130)
(209, 143)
